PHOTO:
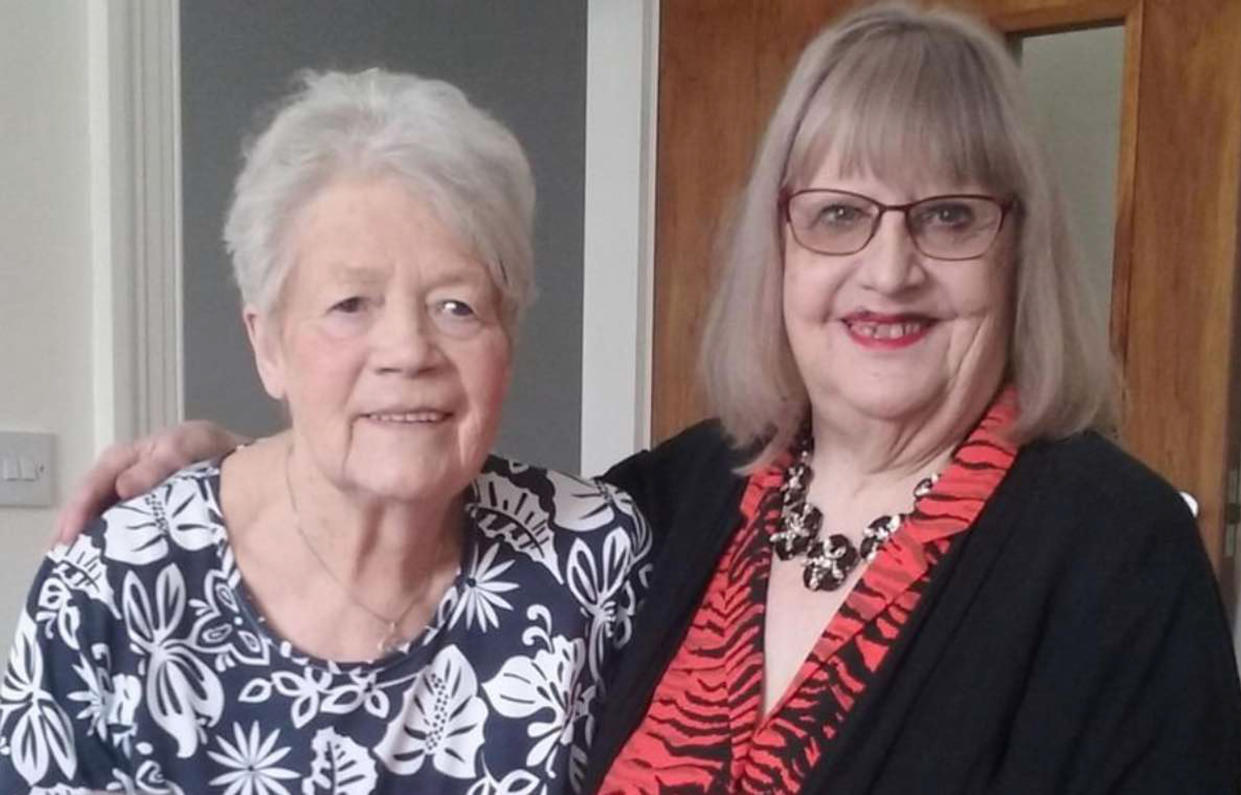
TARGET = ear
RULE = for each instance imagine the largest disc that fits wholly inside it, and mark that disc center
(264, 332)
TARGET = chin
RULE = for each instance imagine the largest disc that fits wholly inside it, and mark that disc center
(406, 476)
(407, 486)
(883, 402)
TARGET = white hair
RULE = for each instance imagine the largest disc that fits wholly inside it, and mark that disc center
(889, 88)
(467, 165)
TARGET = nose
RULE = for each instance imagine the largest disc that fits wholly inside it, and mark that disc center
(891, 263)
(403, 340)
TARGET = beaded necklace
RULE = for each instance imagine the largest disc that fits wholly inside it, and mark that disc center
(830, 561)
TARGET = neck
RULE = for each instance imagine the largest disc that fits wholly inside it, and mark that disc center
(402, 543)
(860, 454)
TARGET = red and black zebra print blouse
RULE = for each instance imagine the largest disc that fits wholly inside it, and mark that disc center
(705, 730)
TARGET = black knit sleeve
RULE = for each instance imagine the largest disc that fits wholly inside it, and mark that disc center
(692, 467)
(1137, 667)
(1167, 711)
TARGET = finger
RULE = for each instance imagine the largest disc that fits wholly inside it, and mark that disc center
(127, 470)
(157, 461)
(95, 490)
(201, 440)
(169, 451)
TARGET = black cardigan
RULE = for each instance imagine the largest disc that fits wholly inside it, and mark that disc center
(1072, 641)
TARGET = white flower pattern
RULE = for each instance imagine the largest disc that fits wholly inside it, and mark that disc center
(482, 591)
(147, 780)
(35, 727)
(146, 529)
(545, 685)
(442, 719)
(340, 766)
(182, 692)
(252, 763)
(141, 665)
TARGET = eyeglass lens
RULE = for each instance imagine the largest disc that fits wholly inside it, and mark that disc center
(943, 227)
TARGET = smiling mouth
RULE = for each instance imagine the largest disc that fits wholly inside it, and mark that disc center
(421, 417)
(887, 332)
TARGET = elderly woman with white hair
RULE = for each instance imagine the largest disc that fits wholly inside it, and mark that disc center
(906, 558)
(366, 602)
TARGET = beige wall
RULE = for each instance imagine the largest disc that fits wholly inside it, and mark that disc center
(45, 266)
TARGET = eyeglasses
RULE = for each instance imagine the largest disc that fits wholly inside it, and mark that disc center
(952, 227)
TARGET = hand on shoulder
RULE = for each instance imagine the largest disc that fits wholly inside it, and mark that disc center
(127, 469)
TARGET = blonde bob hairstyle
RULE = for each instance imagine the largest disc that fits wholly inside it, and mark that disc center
(465, 164)
(904, 93)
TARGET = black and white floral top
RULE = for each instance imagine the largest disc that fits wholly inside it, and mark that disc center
(141, 664)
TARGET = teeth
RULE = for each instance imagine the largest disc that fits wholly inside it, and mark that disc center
(885, 331)
(409, 417)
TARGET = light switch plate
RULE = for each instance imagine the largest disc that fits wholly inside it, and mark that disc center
(27, 474)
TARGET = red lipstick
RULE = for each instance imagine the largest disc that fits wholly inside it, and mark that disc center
(886, 331)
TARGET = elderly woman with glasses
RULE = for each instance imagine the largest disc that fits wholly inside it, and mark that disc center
(906, 558)
(367, 602)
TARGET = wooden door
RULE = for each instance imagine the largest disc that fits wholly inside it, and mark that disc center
(1174, 318)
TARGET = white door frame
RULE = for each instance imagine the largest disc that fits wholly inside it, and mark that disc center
(135, 157)
(618, 247)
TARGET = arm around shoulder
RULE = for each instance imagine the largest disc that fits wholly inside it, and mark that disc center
(659, 480)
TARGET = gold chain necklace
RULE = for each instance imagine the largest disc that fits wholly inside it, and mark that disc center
(391, 639)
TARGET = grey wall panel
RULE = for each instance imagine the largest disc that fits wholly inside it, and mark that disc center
(522, 61)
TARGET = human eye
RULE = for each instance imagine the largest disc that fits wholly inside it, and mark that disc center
(353, 305)
(347, 316)
(456, 309)
(456, 317)
(946, 214)
(839, 213)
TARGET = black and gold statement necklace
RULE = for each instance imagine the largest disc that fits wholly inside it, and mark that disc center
(830, 561)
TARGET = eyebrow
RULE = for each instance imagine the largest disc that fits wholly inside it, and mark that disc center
(355, 274)
(447, 277)
(459, 279)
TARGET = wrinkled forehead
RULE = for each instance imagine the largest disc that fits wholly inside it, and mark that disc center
(911, 109)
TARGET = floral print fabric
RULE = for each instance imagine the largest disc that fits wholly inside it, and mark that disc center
(140, 664)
